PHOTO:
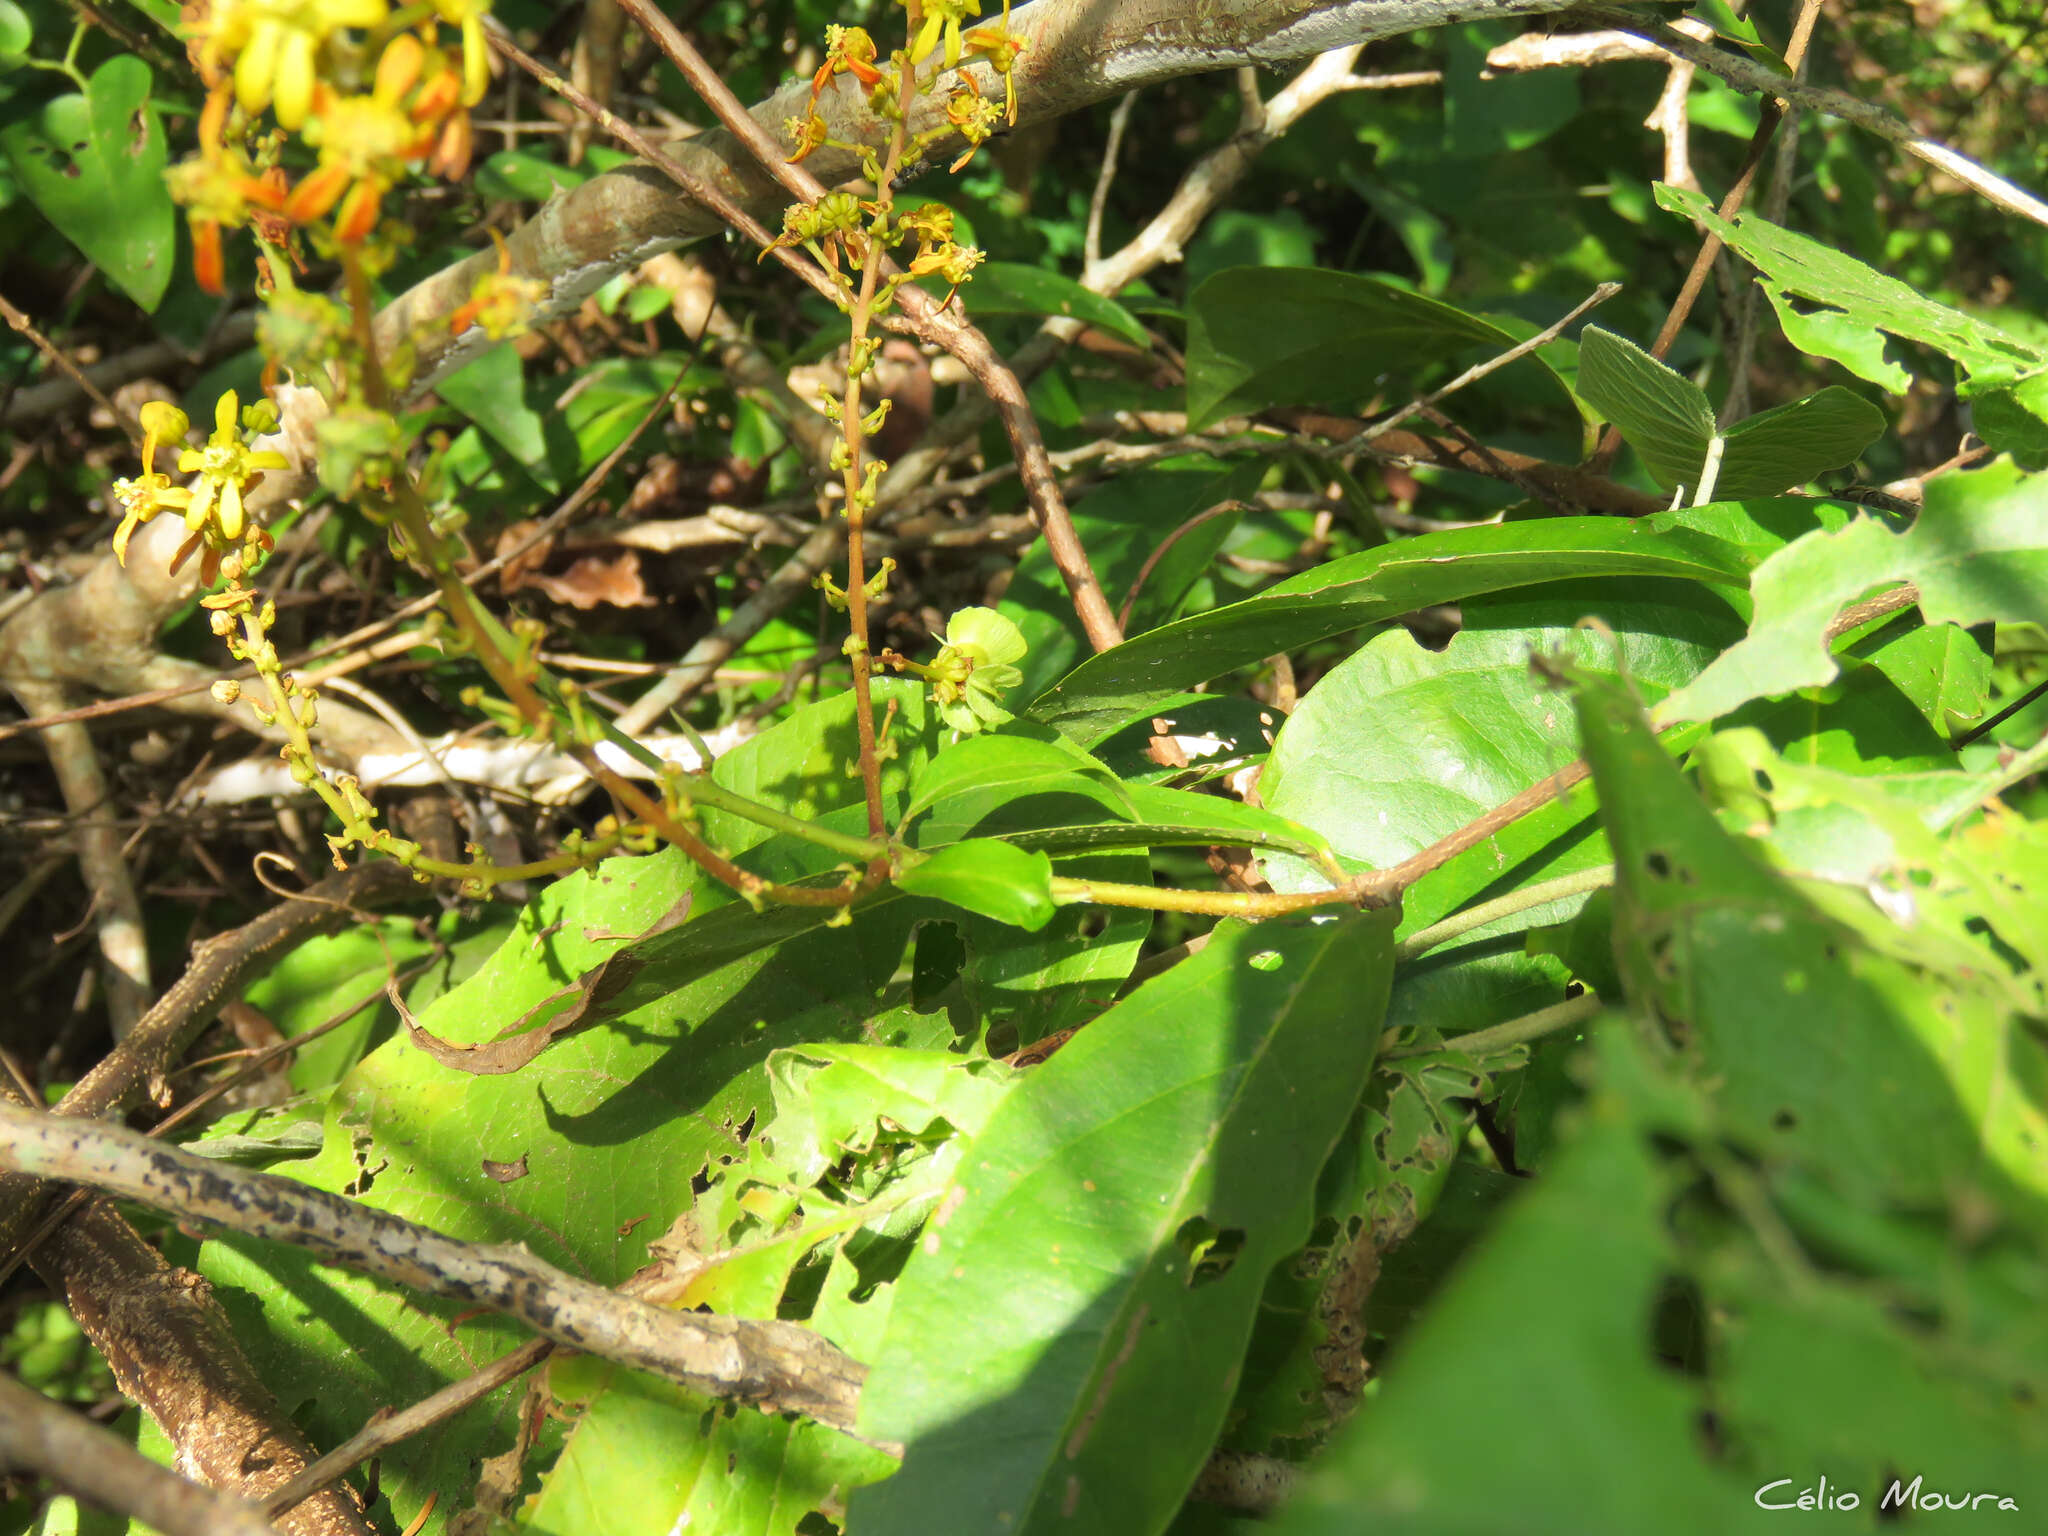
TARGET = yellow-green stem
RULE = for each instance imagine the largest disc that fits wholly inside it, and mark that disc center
(1111, 893)
(850, 424)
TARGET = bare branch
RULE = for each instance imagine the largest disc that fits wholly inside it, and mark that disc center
(778, 1366)
(40, 1435)
(1745, 74)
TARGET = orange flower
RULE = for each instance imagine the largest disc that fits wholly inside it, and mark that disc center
(220, 190)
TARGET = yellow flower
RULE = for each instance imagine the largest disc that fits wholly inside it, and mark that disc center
(943, 18)
(149, 493)
(476, 53)
(225, 466)
(1000, 46)
(275, 45)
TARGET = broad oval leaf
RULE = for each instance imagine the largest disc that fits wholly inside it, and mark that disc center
(987, 876)
(1400, 745)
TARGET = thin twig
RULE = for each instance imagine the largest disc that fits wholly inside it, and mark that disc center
(102, 863)
(1478, 371)
(1746, 75)
(1568, 1014)
(778, 1366)
(1542, 893)
(1123, 614)
(388, 1429)
(1685, 47)
(552, 524)
(1091, 238)
(44, 1436)
(71, 370)
(218, 966)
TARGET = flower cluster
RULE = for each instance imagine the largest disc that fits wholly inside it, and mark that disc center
(373, 92)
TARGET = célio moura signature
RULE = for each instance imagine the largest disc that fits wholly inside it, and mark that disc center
(1899, 1495)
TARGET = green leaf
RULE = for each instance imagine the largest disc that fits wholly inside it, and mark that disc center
(972, 779)
(1263, 336)
(1978, 552)
(520, 176)
(328, 975)
(605, 402)
(1124, 524)
(613, 1124)
(1400, 745)
(646, 1457)
(797, 764)
(1375, 585)
(1572, 1426)
(987, 876)
(1818, 1048)
(1008, 288)
(1860, 306)
(1145, 1178)
(1488, 114)
(94, 164)
(17, 32)
(491, 391)
(1788, 445)
(1944, 671)
(1666, 418)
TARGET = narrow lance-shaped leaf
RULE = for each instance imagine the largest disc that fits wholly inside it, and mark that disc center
(1376, 584)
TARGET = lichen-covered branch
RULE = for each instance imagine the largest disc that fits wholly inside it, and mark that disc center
(777, 1366)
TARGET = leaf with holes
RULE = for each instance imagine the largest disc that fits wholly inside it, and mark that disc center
(1557, 1301)
(1146, 1178)
(94, 164)
(1823, 1051)
(1832, 305)
(1978, 552)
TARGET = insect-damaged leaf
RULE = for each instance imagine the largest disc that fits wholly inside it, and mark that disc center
(1146, 1179)
(599, 985)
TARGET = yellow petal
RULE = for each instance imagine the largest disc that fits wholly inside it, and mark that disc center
(256, 66)
(476, 61)
(294, 84)
(231, 512)
(121, 535)
(225, 410)
(202, 505)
